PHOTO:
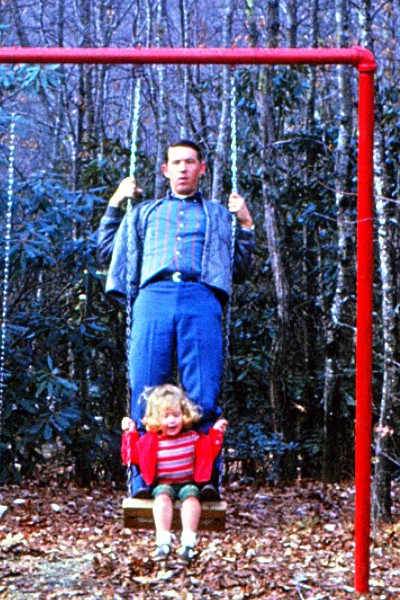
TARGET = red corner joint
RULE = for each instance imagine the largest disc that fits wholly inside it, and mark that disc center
(365, 60)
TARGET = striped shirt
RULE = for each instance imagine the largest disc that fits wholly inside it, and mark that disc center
(175, 458)
(174, 238)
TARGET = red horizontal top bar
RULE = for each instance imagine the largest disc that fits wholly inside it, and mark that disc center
(361, 58)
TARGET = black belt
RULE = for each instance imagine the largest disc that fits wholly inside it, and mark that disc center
(176, 277)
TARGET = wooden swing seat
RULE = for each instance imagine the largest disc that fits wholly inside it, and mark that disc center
(138, 514)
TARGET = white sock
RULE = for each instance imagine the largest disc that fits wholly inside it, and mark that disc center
(188, 538)
(163, 537)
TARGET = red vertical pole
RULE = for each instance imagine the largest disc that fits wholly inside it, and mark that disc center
(364, 330)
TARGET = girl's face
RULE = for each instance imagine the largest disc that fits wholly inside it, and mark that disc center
(171, 420)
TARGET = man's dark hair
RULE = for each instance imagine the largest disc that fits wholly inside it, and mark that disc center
(186, 144)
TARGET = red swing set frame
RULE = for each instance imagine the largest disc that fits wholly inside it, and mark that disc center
(363, 60)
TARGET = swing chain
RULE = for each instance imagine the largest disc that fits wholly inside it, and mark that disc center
(7, 251)
(129, 221)
(129, 265)
(135, 125)
(234, 188)
(234, 151)
(129, 272)
(229, 304)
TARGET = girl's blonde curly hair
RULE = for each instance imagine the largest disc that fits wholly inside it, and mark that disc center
(165, 397)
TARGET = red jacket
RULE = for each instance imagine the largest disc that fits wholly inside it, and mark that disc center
(143, 452)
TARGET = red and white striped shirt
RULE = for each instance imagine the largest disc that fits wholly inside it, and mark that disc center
(175, 458)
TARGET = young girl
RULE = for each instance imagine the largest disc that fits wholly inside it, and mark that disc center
(173, 458)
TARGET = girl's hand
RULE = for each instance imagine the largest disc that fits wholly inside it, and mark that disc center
(221, 425)
(128, 424)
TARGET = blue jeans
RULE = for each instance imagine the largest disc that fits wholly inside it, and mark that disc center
(185, 318)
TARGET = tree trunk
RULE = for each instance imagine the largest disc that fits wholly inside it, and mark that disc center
(185, 43)
(336, 333)
(284, 419)
(386, 214)
(221, 150)
(384, 432)
(60, 103)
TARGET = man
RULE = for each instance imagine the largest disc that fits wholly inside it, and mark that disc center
(181, 274)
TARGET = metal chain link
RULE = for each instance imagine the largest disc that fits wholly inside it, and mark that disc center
(135, 126)
(7, 252)
(229, 304)
(234, 188)
(234, 170)
(129, 265)
(129, 222)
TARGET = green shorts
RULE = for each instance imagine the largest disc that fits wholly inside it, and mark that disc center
(177, 490)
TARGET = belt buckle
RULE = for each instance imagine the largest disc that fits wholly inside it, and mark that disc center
(176, 277)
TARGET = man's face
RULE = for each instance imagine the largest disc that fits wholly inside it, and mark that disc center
(183, 170)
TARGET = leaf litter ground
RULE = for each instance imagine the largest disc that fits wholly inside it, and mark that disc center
(297, 542)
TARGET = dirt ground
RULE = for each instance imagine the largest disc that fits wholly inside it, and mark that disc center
(59, 541)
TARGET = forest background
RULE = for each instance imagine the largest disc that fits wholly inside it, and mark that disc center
(289, 387)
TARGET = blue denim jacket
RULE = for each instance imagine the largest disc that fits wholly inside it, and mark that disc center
(216, 260)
